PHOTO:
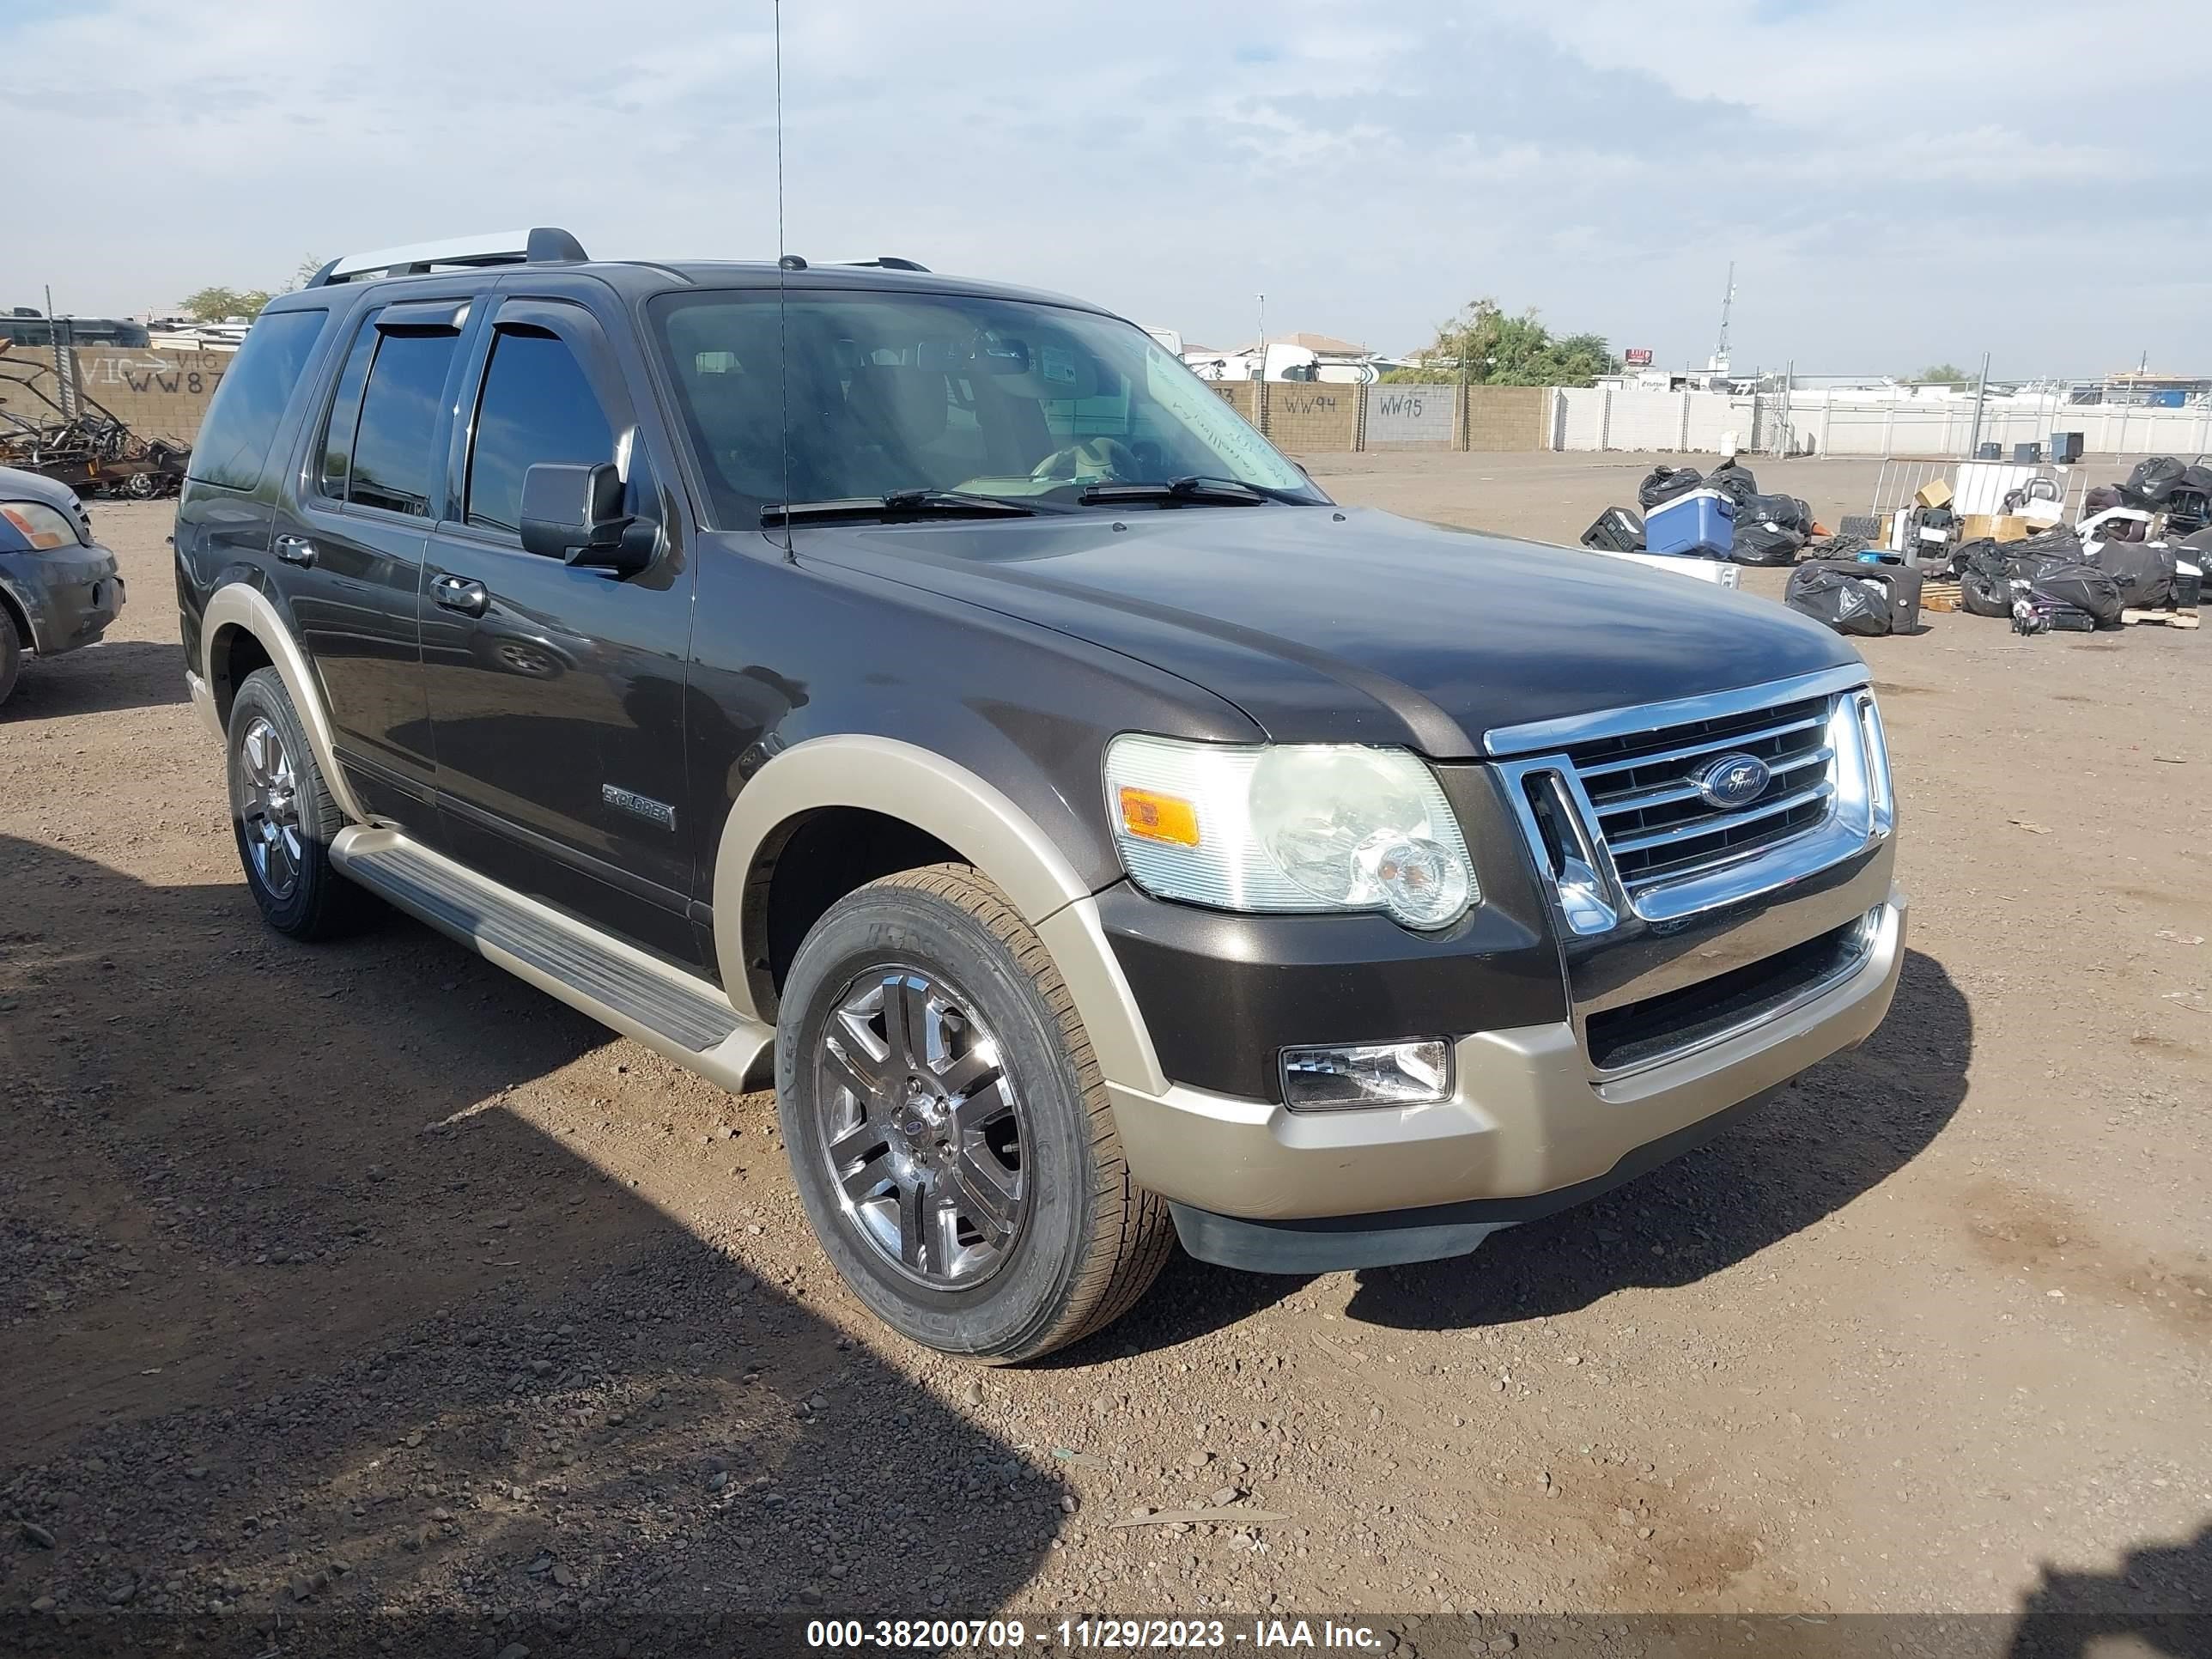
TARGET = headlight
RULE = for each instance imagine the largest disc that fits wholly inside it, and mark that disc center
(42, 526)
(1290, 827)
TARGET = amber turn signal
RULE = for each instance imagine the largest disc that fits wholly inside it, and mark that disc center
(1155, 816)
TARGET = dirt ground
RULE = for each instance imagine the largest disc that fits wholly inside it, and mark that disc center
(362, 1286)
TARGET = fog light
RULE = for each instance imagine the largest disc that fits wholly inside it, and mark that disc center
(1338, 1076)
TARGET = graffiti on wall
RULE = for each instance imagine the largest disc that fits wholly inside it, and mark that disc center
(147, 373)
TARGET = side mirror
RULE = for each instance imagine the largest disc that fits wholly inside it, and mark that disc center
(574, 513)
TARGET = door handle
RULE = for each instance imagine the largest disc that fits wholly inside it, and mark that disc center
(296, 549)
(459, 593)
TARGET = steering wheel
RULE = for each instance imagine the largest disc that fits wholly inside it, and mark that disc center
(1089, 459)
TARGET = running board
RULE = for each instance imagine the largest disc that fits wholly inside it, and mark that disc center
(675, 1013)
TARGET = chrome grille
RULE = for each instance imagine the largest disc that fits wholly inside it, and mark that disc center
(1654, 821)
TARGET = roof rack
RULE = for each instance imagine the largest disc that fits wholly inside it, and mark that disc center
(885, 262)
(543, 246)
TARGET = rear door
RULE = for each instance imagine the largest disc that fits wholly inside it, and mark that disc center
(348, 554)
(555, 692)
(233, 489)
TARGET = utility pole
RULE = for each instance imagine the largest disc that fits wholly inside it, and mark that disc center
(1981, 392)
(1262, 373)
(65, 358)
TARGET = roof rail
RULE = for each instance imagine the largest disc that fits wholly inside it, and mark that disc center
(885, 262)
(542, 245)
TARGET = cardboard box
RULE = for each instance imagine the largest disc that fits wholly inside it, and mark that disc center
(1995, 526)
(1934, 492)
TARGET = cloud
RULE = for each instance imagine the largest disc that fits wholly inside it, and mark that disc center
(1896, 182)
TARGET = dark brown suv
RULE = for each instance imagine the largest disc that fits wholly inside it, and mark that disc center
(931, 698)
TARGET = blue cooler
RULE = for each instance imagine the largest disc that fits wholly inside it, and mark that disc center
(1699, 524)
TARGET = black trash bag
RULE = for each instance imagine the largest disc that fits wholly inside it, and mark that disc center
(1784, 512)
(1758, 542)
(1733, 480)
(1985, 579)
(1841, 547)
(1665, 483)
(2198, 476)
(2152, 481)
(1847, 603)
(2081, 586)
(2144, 573)
(2057, 543)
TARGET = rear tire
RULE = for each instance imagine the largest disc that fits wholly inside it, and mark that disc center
(987, 1137)
(283, 817)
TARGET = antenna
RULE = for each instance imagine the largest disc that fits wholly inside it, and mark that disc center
(1720, 351)
(782, 270)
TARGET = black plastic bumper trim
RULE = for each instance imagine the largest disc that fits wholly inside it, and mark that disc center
(1389, 1238)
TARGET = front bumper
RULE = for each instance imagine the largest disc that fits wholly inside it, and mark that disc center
(70, 595)
(1529, 1127)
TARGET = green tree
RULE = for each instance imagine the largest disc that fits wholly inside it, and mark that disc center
(1940, 373)
(215, 305)
(1499, 350)
(309, 267)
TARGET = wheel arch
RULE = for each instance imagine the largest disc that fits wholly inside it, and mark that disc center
(943, 800)
(238, 608)
(20, 614)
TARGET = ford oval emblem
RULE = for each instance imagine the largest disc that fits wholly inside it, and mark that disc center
(1733, 781)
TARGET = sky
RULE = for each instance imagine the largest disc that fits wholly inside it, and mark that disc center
(1897, 183)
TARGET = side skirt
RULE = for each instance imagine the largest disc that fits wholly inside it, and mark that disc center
(674, 1013)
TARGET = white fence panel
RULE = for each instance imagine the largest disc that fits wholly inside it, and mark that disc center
(1646, 420)
(1410, 414)
(1835, 423)
(1582, 418)
(1715, 414)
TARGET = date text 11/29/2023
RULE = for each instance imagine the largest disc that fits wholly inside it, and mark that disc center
(1011, 1636)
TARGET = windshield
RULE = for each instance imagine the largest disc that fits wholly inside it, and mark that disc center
(891, 392)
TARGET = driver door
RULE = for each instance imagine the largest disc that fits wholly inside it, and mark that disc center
(556, 692)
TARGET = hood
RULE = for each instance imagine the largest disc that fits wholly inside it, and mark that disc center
(1349, 625)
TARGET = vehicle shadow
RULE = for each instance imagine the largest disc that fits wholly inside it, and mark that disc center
(97, 679)
(1839, 1129)
(2160, 1602)
(360, 1295)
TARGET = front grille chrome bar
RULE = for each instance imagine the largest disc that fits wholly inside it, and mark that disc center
(1812, 824)
(1702, 827)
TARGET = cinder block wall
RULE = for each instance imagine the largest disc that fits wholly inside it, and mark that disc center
(1506, 417)
(1243, 396)
(157, 394)
(1312, 417)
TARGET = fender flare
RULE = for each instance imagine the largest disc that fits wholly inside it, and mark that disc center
(920, 787)
(242, 605)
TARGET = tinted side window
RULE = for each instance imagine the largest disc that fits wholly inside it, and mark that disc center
(242, 423)
(392, 460)
(537, 406)
(345, 414)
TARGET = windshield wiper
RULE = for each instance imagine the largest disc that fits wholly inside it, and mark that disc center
(1193, 488)
(900, 504)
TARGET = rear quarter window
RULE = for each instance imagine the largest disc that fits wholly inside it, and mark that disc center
(249, 405)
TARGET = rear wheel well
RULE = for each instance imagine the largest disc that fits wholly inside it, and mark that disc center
(236, 653)
(809, 863)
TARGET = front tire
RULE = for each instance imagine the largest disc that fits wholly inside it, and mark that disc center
(285, 818)
(948, 1125)
(11, 653)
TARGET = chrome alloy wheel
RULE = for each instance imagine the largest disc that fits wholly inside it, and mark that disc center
(269, 808)
(921, 1127)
